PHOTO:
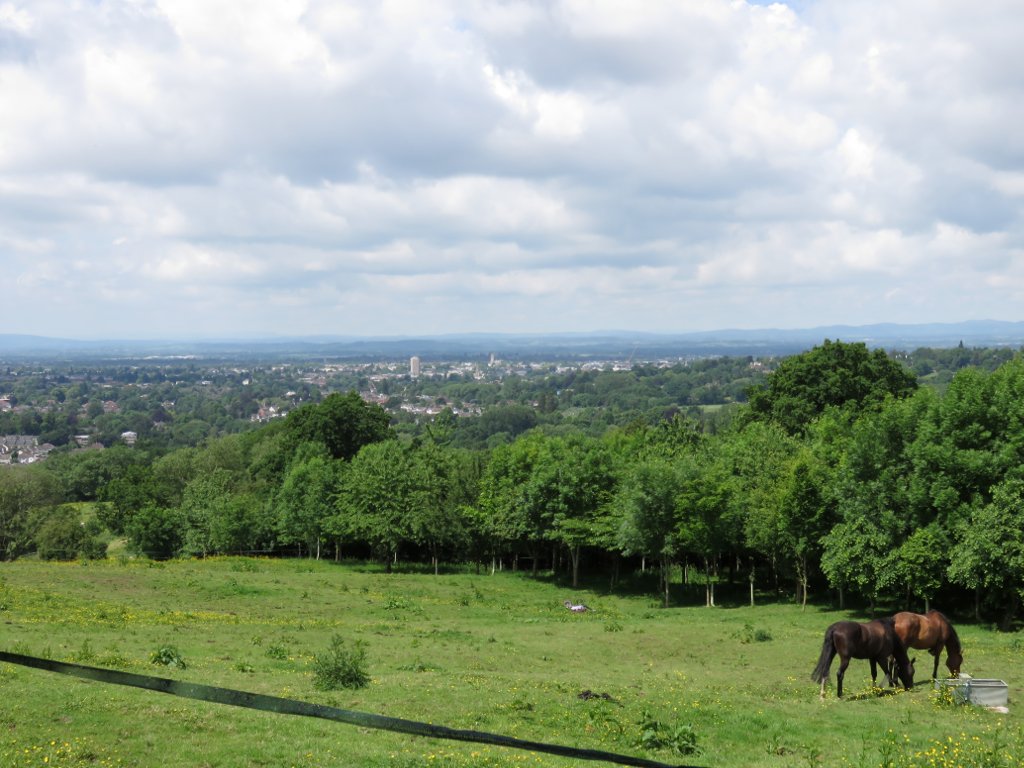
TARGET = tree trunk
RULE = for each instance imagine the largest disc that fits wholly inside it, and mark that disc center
(1010, 613)
(574, 554)
(666, 564)
(804, 580)
(751, 582)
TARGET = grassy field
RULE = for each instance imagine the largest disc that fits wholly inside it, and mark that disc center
(492, 653)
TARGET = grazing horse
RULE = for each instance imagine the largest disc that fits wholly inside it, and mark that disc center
(932, 632)
(876, 641)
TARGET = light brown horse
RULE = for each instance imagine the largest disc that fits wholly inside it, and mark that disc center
(931, 632)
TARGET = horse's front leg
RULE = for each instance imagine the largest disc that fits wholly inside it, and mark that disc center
(890, 668)
(935, 670)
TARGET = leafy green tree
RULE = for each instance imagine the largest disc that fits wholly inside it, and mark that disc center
(443, 488)
(84, 474)
(833, 375)
(155, 532)
(919, 564)
(377, 494)
(804, 516)
(703, 505)
(520, 509)
(343, 423)
(126, 493)
(204, 503)
(647, 499)
(856, 554)
(988, 556)
(62, 536)
(24, 490)
(172, 473)
(571, 483)
(244, 525)
(305, 502)
(758, 458)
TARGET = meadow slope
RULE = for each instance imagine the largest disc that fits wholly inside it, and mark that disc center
(492, 653)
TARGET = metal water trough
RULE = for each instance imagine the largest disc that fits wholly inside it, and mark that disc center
(985, 692)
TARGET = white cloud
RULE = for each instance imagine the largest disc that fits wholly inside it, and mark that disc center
(476, 164)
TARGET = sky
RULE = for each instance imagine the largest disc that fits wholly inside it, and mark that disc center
(211, 168)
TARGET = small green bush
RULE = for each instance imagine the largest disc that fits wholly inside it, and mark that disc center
(680, 738)
(168, 656)
(750, 635)
(342, 666)
(277, 651)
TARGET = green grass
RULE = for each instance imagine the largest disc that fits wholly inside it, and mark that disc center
(494, 653)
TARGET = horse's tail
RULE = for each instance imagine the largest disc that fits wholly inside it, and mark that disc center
(828, 650)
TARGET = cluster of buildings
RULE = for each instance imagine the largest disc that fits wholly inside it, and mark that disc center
(22, 449)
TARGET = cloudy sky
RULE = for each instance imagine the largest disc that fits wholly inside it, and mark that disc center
(197, 168)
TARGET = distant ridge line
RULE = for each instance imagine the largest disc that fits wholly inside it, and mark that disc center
(598, 344)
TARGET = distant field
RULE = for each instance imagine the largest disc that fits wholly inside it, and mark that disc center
(492, 653)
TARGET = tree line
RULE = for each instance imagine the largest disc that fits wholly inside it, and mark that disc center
(840, 478)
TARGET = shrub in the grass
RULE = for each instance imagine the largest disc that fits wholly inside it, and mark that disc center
(343, 665)
(168, 656)
(680, 738)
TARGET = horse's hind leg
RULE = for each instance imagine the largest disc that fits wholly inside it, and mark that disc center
(839, 676)
(888, 665)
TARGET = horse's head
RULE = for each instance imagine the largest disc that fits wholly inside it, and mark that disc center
(906, 673)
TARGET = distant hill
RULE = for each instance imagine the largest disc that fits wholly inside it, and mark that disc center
(596, 345)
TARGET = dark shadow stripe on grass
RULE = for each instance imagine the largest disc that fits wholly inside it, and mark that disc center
(283, 706)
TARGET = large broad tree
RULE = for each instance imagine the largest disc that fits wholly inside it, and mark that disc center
(342, 423)
(833, 375)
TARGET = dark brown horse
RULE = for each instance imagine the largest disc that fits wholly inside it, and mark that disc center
(932, 632)
(876, 641)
